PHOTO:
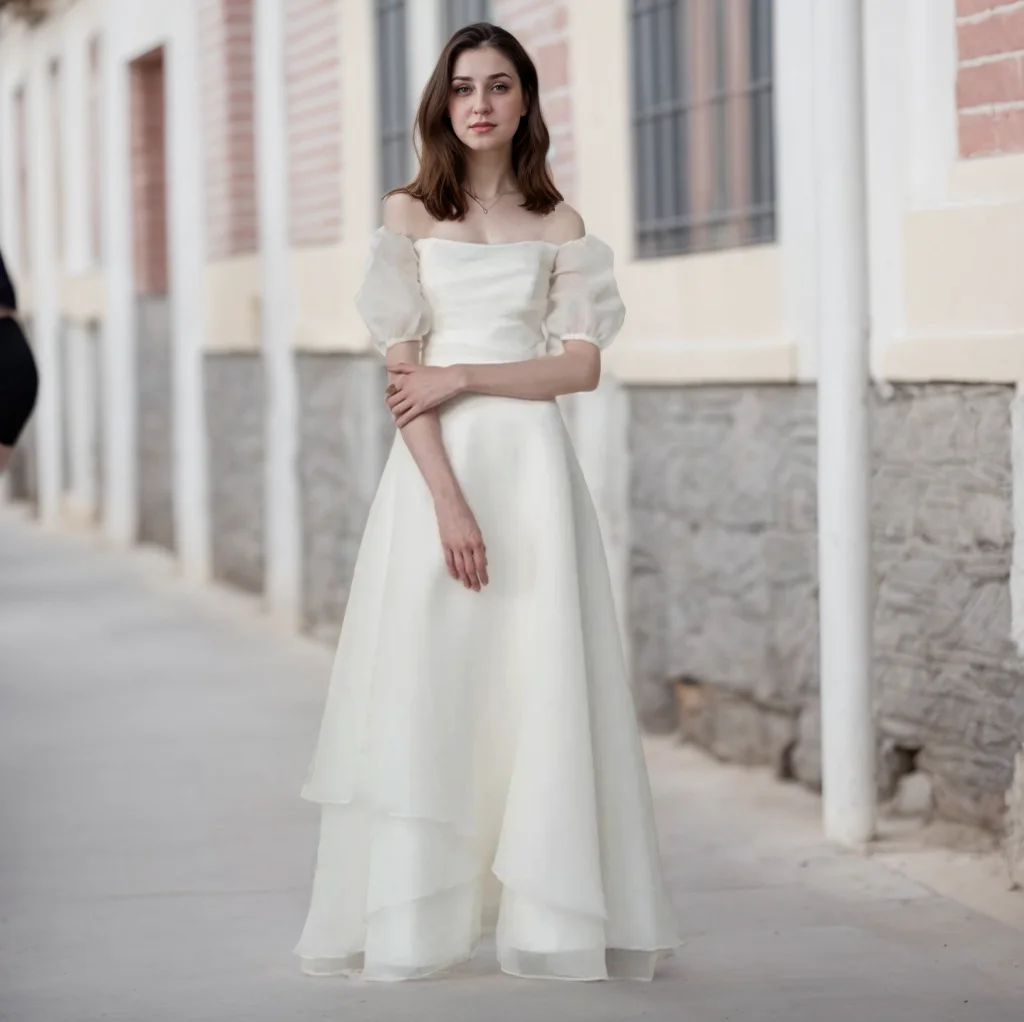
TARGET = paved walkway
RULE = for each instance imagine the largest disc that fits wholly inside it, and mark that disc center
(155, 856)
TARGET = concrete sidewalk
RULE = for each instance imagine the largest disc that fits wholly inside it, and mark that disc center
(155, 856)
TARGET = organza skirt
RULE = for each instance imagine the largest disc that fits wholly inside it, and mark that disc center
(479, 766)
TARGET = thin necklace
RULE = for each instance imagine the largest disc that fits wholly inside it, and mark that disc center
(497, 199)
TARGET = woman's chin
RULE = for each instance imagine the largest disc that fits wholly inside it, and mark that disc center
(485, 142)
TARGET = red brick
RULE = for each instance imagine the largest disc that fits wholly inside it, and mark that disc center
(149, 197)
(1009, 128)
(313, 97)
(965, 8)
(1001, 33)
(982, 84)
(978, 136)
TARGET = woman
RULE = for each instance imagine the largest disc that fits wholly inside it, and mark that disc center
(19, 382)
(478, 762)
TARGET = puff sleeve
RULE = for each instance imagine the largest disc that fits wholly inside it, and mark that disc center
(583, 298)
(390, 300)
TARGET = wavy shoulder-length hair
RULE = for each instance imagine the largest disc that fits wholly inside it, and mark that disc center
(441, 180)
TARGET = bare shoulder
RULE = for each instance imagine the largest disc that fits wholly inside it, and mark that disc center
(564, 224)
(404, 214)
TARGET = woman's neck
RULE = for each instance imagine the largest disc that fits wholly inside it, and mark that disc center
(490, 174)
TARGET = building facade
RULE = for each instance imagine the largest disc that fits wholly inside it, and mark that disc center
(187, 192)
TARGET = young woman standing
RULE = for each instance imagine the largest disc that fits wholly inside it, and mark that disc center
(479, 765)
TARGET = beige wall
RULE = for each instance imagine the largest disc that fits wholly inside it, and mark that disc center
(963, 279)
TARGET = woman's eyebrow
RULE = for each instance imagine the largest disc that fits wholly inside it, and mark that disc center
(468, 78)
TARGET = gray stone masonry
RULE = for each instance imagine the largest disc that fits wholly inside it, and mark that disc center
(155, 429)
(345, 432)
(235, 430)
(724, 581)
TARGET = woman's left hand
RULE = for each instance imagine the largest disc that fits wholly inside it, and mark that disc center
(418, 388)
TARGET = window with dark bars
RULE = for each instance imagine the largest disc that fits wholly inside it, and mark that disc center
(395, 124)
(459, 13)
(702, 124)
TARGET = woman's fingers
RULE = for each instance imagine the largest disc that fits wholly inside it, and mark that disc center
(467, 564)
(449, 559)
(480, 562)
(460, 563)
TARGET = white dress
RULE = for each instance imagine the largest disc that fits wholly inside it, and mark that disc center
(478, 764)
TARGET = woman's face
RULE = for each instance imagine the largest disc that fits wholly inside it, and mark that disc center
(486, 99)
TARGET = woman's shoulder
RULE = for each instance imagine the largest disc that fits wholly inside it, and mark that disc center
(405, 214)
(563, 224)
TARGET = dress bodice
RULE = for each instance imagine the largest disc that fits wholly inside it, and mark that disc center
(489, 302)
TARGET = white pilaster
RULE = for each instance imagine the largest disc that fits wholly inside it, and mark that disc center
(120, 476)
(796, 185)
(281, 491)
(889, 50)
(187, 259)
(932, 122)
(423, 45)
(80, 410)
(46, 279)
(848, 744)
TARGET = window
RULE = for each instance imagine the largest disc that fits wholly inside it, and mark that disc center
(702, 124)
(395, 124)
(459, 13)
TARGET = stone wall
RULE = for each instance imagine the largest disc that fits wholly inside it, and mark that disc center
(724, 581)
(155, 425)
(345, 431)
(235, 442)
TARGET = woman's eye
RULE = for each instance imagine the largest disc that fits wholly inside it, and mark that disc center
(504, 88)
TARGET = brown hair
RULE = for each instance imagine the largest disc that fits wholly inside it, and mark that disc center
(440, 182)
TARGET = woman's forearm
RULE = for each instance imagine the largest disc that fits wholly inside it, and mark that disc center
(423, 436)
(537, 379)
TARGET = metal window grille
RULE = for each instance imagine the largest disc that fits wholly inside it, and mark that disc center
(703, 141)
(459, 13)
(394, 119)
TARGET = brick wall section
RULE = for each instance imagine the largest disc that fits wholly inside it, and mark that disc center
(228, 122)
(313, 95)
(149, 187)
(542, 26)
(990, 78)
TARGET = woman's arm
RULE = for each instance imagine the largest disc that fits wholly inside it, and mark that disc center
(418, 389)
(461, 539)
(423, 435)
(538, 379)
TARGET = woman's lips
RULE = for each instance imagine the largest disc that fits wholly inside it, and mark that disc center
(481, 129)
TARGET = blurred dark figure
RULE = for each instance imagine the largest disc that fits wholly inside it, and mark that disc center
(19, 381)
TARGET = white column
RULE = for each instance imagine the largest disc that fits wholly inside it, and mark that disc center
(81, 396)
(793, 96)
(81, 410)
(848, 776)
(187, 262)
(45, 273)
(281, 493)
(423, 44)
(120, 476)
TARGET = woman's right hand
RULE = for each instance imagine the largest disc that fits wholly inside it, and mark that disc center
(462, 541)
